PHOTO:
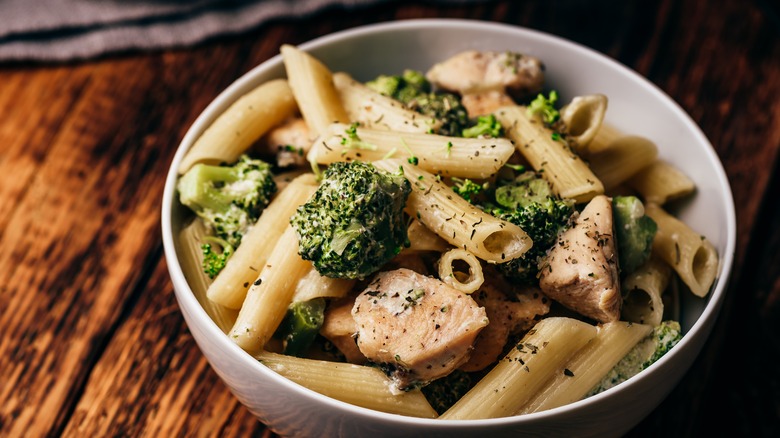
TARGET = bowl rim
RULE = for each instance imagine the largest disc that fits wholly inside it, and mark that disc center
(186, 298)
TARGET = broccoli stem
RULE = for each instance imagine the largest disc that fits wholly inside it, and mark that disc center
(301, 325)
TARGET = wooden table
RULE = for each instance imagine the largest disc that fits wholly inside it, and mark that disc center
(92, 341)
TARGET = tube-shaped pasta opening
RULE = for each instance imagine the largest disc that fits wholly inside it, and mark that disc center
(469, 281)
(583, 118)
(704, 267)
(691, 255)
(643, 307)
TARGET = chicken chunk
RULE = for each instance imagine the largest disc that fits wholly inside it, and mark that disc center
(474, 72)
(509, 314)
(339, 327)
(581, 269)
(480, 104)
(290, 142)
(416, 328)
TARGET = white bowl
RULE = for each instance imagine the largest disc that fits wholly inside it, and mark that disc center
(635, 106)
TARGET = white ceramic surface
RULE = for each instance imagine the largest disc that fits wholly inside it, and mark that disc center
(635, 105)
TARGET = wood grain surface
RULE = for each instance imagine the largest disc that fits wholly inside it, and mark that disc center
(91, 340)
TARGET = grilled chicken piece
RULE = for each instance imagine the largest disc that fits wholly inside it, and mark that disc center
(290, 142)
(339, 327)
(509, 314)
(480, 104)
(416, 327)
(473, 72)
(581, 269)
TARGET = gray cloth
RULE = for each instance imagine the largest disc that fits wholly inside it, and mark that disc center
(61, 30)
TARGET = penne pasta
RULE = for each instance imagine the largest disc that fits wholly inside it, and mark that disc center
(455, 220)
(642, 293)
(313, 285)
(604, 136)
(243, 123)
(359, 385)
(446, 156)
(191, 258)
(661, 182)
(573, 380)
(269, 296)
(583, 118)
(312, 85)
(242, 268)
(467, 282)
(377, 111)
(621, 159)
(689, 253)
(517, 377)
(423, 239)
(569, 176)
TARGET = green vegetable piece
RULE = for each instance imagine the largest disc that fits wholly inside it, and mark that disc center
(634, 232)
(644, 354)
(387, 85)
(545, 107)
(467, 189)
(486, 125)
(213, 261)
(229, 199)
(354, 223)
(301, 325)
(413, 90)
(444, 392)
(528, 202)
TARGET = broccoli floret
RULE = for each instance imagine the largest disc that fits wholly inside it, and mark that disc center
(467, 189)
(486, 125)
(635, 232)
(301, 325)
(529, 203)
(545, 107)
(443, 393)
(354, 222)
(229, 199)
(213, 261)
(414, 91)
(387, 85)
(644, 354)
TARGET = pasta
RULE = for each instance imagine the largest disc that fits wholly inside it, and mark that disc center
(689, 253)
(245, 121)
(473, 280)
(621, 159)
(661, 182)
(230, 286)
(569, 176)
(312, 85)
(356, 384)
(573, 380)
(583, 118)
(191, 261)
(270, 295)
(375, 110)
(524, 370)
(447, 156)
(313, 285)
(642, 291)
(423, 239)
(455, 220)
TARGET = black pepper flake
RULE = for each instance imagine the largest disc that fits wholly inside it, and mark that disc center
(567, 372)
(258, 282)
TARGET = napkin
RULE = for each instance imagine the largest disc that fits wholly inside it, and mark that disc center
(62, 30)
